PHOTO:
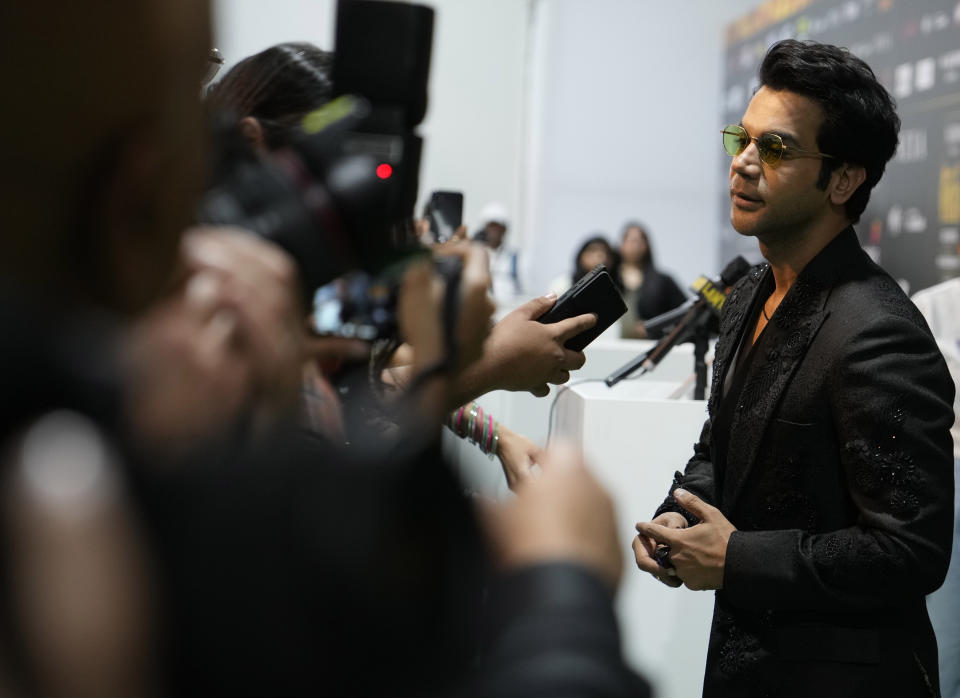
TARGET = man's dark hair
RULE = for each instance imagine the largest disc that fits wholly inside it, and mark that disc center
(277, 86)
(860, 118)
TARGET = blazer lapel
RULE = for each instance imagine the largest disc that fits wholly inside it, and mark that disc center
(736, 310)
(787, 337)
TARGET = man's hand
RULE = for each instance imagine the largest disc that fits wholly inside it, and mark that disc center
(698, 553)
(564, 515)
(644, 548)
(523, 354)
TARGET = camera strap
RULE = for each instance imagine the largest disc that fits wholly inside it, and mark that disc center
(450, 270)
(451, 273)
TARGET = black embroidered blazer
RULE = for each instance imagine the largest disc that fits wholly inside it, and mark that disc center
(838, 474)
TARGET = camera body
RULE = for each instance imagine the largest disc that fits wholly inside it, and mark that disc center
(337, 197)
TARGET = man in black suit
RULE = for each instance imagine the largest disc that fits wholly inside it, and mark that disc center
(818, 501)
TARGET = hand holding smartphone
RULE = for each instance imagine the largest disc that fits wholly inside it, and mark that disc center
(594, 293)
(444, 211)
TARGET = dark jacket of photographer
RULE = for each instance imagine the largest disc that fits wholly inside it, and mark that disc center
(289, 568)
(830, 452)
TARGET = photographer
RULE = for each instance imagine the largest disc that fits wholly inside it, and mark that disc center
(270, 93)
(271, 575)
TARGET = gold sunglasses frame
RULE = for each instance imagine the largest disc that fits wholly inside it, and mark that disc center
(784, 151)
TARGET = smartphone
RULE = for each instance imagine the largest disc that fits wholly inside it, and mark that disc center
(444, 210)
(594, 293)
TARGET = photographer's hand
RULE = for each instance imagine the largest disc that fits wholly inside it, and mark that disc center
(230, 340)
(517, 455)
(420, 311)
(564, 515)
(259, 282)
(523, 354)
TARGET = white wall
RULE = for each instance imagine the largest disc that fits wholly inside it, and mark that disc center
(244, 27)
(625, 125)
(475, 118)
(575, 114)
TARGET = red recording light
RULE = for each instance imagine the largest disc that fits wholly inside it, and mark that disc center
(384, 171)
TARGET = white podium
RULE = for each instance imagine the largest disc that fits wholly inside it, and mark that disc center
(529, 415)
(634, 436)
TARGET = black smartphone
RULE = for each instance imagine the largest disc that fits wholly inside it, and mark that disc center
(594, 293)
(444, 210)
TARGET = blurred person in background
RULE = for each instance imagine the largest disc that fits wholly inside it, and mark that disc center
(647, 290)
(939, 305)
(595, 250)
(504, 260)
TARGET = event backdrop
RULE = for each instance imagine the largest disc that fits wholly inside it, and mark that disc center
(912, 225)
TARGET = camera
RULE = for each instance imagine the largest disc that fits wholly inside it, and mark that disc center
(337, 198)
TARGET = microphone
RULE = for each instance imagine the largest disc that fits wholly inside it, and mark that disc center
(710, 299)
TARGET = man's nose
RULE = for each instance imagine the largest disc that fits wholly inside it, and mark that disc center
(747, 164)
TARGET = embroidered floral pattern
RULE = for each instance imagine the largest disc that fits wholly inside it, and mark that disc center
(889, 475)
(786, 509)
(891, 297)
(844, 558)
(757, 388)
(796, 342)
(799, 302)
(741, 654)
(737, 654)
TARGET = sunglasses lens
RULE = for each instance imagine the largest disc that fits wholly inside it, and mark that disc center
(734, 139)
(770, 147)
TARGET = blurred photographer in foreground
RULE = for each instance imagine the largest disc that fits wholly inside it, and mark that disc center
(265, 563)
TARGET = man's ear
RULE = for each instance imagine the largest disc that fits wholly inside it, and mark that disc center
(252, 132)
(845, 180)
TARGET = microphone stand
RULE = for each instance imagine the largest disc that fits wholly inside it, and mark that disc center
(698, 331)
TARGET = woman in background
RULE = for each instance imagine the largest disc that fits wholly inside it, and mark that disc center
(647, 291)
(594, 250)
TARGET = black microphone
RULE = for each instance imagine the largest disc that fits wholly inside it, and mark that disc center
(665, 321)
(710, 299)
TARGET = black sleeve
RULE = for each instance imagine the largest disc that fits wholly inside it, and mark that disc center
(697, 478)
(550, 631)
(891, 399)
